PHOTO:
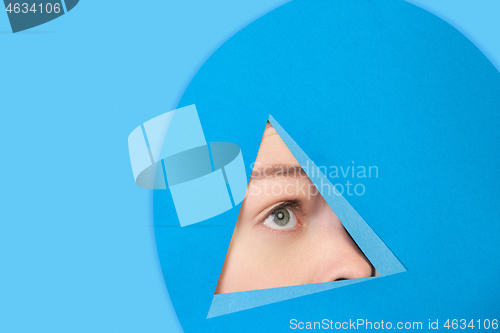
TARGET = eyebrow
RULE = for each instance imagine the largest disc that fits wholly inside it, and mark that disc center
(278, 171)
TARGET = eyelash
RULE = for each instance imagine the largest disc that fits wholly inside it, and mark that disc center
(295, 205)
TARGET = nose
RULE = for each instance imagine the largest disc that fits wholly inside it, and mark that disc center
(339, 257)
(353, 265)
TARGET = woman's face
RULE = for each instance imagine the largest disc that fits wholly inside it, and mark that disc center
(286, 233)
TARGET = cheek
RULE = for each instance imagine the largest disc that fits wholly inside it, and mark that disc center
(262, 259)
(263, 250)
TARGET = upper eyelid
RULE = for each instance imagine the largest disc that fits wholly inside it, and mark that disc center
(295, 204)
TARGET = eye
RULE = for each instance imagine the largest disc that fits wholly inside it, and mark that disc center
(281, 218)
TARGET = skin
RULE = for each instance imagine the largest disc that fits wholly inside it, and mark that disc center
(316, 249)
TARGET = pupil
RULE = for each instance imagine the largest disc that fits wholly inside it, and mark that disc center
(281, 217)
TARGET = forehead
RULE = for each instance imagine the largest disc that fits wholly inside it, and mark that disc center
(273, 151)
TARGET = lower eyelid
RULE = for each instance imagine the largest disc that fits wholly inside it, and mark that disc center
(281, 231)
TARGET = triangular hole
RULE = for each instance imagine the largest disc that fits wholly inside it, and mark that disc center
(295, 234)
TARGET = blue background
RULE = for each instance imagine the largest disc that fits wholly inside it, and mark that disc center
(77, 249)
